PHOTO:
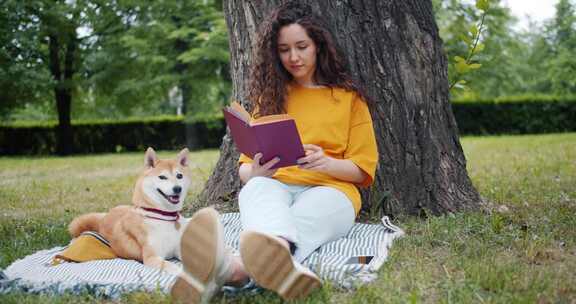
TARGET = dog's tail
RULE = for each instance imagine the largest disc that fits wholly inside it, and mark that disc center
(85, 222)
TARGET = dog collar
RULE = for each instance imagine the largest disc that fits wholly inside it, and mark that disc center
(157, 214)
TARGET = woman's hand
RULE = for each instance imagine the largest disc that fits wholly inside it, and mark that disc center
(263, 170)
(342, 169)
(248, 171)
(315, 159)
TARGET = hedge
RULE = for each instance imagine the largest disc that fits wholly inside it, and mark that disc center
(113, 136)
(516, 115)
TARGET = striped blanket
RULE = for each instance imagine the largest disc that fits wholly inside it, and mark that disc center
(347, 262)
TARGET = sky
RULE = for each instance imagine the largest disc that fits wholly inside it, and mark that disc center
(537, 10)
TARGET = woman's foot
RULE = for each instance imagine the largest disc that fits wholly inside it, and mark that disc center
(268, 261)
(239, 277)
(206, 262)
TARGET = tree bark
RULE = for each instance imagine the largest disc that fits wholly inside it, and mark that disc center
(396, 54)
(63, 90)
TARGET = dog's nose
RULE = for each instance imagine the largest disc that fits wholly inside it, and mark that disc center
(177, 189)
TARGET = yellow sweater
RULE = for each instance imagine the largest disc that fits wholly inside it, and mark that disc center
(338, 121)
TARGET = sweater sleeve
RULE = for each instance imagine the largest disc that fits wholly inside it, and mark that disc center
(362, 148)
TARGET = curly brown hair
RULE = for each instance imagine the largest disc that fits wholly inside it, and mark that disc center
(268, 77)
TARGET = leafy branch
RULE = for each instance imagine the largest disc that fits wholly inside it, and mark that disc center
(465, 65)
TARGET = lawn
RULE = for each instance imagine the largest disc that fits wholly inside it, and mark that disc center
(522, 249)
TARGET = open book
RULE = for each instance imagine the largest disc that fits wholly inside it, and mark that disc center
(272, 135)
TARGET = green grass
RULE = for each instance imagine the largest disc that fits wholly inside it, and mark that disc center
(521, 250)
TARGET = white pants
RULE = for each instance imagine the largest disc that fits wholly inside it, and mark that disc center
(308, 216)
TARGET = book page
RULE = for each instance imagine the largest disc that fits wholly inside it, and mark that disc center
(240, 112)
(270, 119)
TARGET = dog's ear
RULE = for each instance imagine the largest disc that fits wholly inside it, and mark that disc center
(150, 158)
(182, 157)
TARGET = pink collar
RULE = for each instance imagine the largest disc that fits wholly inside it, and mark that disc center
(157, 214)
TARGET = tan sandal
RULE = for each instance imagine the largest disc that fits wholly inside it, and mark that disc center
(269, 263)
(206, 262)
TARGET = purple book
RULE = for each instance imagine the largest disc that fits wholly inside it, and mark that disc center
(274, 135)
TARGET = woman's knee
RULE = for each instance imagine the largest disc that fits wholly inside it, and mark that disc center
(325, 208)
(257, 182)
(254, 184)
(256, 187)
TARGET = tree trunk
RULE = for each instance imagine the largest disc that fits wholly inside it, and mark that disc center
(396, 54)
(63, 90)
(182, 69)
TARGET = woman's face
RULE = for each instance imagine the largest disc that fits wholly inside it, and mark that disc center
(297, 52)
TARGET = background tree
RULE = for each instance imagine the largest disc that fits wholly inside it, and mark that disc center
(499, 47)
(562, 37)
(93, 59)
(515, 61)
(395, 52)
(43, 37)
(21, 75)
(172, 44)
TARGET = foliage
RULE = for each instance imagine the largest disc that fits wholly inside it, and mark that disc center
(51, 30)
(124, 59)
(463, 65)
(519, 250)
(171, 44)
(131, 54)
(562, 34)
(546, 63)
(457, 22)
(24, 74)
(513, 61)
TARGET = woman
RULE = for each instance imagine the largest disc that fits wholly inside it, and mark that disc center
(288, 213)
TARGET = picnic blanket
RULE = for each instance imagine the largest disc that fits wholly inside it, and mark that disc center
(347, 262)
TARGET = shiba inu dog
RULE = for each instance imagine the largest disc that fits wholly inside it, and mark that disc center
(151, 229)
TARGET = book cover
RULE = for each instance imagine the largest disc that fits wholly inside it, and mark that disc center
(273, 135)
